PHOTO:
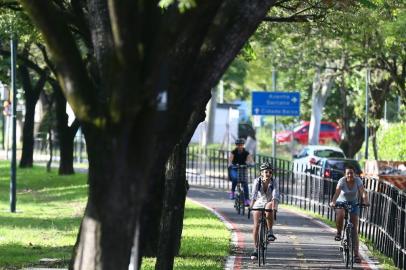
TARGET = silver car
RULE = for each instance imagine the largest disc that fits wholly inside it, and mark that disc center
(310, 154)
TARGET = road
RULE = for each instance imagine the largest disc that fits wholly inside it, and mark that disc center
(302, 242)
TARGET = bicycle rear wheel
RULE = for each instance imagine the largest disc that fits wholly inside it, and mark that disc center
(238, 203)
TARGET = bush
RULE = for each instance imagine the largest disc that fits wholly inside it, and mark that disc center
(391, 142)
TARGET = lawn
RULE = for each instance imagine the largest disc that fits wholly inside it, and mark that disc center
(49, 210)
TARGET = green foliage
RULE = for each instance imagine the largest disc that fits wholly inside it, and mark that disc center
(205, 241)
(391, 142)
(183, 5)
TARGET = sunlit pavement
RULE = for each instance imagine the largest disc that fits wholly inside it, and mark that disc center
(302, 242)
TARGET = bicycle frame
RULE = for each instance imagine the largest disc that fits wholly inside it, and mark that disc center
(262, 242)
(347, 236)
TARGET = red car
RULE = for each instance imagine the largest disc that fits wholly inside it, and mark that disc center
(328, 131)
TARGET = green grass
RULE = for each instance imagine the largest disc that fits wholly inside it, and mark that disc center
(49, 210)
(385, 263)
(205, 241)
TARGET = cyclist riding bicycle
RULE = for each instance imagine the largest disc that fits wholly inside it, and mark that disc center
(239, 156)
(265, 194)
(347, 191)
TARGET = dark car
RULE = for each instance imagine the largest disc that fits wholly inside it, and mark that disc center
(334, 168)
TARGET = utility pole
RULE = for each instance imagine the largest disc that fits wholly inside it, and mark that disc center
(367, 79)
(13, 182)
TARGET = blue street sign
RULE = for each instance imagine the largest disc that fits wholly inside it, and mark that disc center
(276, 103)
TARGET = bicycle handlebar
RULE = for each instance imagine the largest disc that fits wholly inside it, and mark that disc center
(347, 205)
(262, 209)
(241, 166)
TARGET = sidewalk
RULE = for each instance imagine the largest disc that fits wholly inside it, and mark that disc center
(302, 242)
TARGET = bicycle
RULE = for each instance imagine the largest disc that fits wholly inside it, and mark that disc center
(347, 234)
(262, 241)
(239, 200)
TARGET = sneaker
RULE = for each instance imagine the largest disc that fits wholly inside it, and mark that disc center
(271, 237)
(232, 196)
(254, 255)
(247, 202)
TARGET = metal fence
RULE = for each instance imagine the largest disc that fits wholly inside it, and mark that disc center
(383, 223)
(47, 146)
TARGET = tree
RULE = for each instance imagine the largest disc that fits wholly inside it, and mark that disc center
(129, 134)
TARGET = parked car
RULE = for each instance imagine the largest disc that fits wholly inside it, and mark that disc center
(311, 154)
(300, 134)
(334, 168)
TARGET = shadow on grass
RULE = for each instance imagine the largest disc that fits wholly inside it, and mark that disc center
(16, 256)
(61, 224)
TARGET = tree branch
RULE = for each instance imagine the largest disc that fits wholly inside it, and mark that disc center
(295, 18)
(77, 86)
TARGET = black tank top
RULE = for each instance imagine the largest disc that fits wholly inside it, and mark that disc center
(240, 158)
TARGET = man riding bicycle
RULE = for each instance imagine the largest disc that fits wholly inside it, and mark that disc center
(347, 191)
(265, 194)
(239, 156)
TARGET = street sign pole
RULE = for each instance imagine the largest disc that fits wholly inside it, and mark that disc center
(366, 112)
(13, 182)
(274, 118)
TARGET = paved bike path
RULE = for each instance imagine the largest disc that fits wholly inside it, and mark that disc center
(302, 242)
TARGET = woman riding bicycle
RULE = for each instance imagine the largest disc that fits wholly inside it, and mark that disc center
(265, 194)
(239, 156)
(347, 191)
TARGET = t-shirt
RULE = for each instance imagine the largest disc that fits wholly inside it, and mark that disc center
(240, 158)
(347, 194)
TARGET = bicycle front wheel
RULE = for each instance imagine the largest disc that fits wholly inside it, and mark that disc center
(260, 243)
(349, 250)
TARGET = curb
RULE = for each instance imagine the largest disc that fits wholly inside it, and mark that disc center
(232, 262)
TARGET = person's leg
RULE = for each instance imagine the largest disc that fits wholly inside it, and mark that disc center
(339, 222)
(246, 191)
(269, 216)
(256, 215)
(269, 221)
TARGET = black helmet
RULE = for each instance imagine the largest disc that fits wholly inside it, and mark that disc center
(266, 166)
(240, 141)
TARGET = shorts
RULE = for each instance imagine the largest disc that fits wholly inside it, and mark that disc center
(354, 208)
(260, 203)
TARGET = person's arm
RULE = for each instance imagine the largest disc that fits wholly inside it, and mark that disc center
(364, 194)
(275, 194)
(250, 160)
(230, 159)
(335, 196)
(254, 193)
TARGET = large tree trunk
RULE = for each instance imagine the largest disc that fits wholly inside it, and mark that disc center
(151, 217)
(66, 133)
(353, 128)
(173, 208)
(116, 192)
(31, 95)
(129, 134)
(322, 85)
